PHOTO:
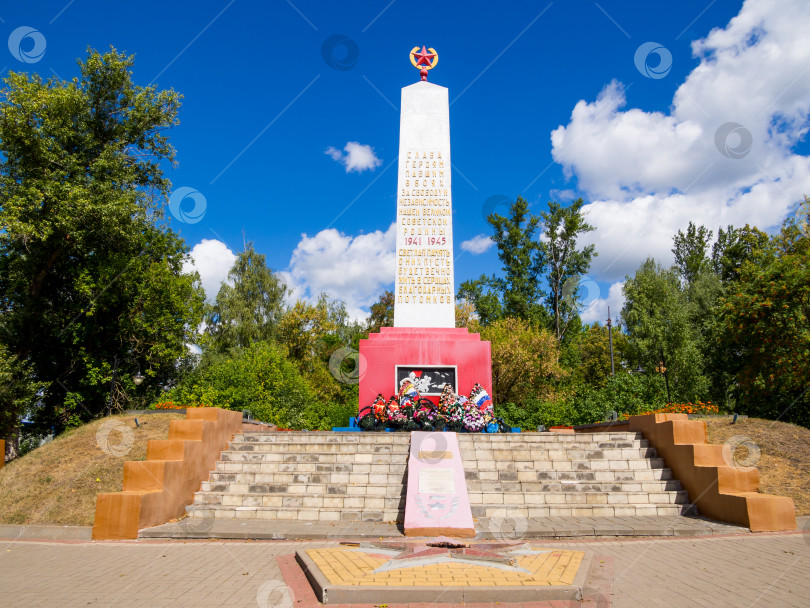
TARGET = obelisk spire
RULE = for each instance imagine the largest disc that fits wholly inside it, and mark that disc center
(425, 288)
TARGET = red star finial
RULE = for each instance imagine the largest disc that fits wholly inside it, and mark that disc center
(423, 57)
(424, 60)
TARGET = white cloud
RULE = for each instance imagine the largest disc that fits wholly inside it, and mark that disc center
(358, 157)
(562, 195)
(353, 268)
(649, 173)
(597, 308)
(477, 244)
(212, 259)
(334, 153)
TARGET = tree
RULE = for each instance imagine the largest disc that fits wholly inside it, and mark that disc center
(803, 216)
(733, 248)
(88, 270)
(690, 250)
(766, 318)
(258, 378)
(17, 394)
(382, 312)
(481, 295)
(593, 367)
(565, 264)
(250, 310)
(524, 360)
(466, 316)
(302, 330)
(522, 259)
(518, 292)
(657, 317)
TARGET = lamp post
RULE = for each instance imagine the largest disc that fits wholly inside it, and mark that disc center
(137, 379)
(661, 369)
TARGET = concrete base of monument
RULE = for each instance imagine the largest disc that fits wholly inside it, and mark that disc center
(437, 502)
(443, 572)
(436, 355)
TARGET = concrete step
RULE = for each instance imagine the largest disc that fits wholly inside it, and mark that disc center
(305, 477)
(321, 447)
(270, 461)
(383, 499)
(295, 513)
(297, 483)
(515, 466)
(310, 469)
(573, 486)
(595, 510)
(531, 474)
(577, 452)
(564, 438)
(311, 457)
(324, 437)
(590, 497)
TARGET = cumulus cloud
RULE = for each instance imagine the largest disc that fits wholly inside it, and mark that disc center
(355, 157)
(352, 268)
(477, 244)
(562, 195)
(212, 259)
(721, 155)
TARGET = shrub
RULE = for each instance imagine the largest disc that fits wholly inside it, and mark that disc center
(622, 393)
(259, 379)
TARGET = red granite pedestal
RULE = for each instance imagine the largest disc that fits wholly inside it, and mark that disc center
(382, 352)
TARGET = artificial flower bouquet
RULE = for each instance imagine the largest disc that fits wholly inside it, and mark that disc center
(407, 411)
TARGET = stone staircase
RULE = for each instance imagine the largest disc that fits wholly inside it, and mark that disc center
(558, 474)
(313, 476)
(325, 476)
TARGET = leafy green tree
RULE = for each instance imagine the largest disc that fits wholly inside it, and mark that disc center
(690, 250)
(803, 215)
(766, 317)
(518, 292)
(466, 316)
(303, 328)
(524, 360)
(259, 379)
(481, 295)
(88, 270)
(658, 321)
(564, 263)
(735, 246)
(17, 394)
(522, 258)
(593, 348)
(624, 393)
(382, 312)
(249, 310)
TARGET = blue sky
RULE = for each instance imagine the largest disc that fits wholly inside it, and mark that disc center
(549, 101)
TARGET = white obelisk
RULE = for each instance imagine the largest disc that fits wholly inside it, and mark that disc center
(424, 289)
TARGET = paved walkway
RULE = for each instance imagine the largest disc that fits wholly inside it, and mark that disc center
(499, 529)
(743, 571)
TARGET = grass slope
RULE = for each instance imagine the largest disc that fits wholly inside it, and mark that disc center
(57, 483)
(784, 462)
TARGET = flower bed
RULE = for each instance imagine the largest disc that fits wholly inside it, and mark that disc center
(700, 408)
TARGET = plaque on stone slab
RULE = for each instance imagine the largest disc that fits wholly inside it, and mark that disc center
(436, 481)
